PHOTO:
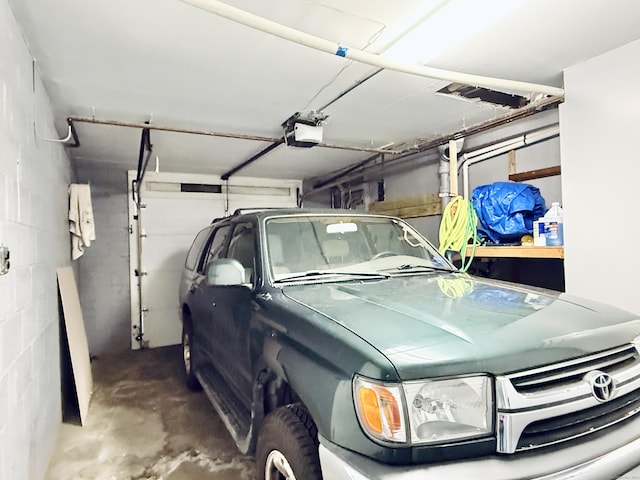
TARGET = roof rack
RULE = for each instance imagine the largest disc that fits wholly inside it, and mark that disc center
(240, 211)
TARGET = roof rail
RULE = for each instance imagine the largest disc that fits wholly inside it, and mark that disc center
(240, 211)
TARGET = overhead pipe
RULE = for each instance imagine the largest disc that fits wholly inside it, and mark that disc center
(147, 126)
(492, 151)
(361, 167)
(327, 46)
(209, 133)
(410, 154)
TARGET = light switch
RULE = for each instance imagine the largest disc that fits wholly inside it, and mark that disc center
(4, 260)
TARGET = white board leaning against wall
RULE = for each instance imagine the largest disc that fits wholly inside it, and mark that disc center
(173, 208)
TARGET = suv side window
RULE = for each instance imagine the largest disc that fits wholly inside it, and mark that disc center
(196, 248)
(242, 248)
(216, 247)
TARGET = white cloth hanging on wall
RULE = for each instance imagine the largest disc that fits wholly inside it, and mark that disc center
(81, 223)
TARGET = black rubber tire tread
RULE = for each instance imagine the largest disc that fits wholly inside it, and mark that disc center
(292, 431)
(190, 378)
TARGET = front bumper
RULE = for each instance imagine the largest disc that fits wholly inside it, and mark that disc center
(605, 456)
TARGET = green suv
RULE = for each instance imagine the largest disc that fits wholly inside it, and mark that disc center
(342, 345)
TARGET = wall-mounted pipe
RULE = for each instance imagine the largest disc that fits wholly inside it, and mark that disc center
(333, 48)
(70, 131)
(444, 172)
(501, 148)
(321, 182)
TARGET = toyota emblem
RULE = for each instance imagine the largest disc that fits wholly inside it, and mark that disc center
(602, 385)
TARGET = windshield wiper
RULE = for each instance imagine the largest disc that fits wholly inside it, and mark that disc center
(408, 267)
(328, 273)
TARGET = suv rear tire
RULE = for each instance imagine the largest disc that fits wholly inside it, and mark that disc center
(187, 356)
(287, 446)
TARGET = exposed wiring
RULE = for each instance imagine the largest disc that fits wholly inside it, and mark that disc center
(457, 227)
(371, 40)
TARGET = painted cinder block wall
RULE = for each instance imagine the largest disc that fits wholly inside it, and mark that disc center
(34, 179)
(103, 270)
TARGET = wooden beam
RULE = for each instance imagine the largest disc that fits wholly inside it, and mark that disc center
(409, 207)
(533, 174)
(512, 162)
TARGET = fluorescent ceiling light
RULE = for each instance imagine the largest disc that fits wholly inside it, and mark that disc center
(447, 25)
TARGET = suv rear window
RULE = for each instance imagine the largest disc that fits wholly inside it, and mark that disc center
(216, 247)
(196, 248)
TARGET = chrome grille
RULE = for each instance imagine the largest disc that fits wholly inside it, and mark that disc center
(572, 371)
(556, 403)
(578, 424)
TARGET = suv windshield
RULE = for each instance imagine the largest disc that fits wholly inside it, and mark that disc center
(300, 245)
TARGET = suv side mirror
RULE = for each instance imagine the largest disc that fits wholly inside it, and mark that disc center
(225, 271)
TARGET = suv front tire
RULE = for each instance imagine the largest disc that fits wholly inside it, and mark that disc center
(288, 446)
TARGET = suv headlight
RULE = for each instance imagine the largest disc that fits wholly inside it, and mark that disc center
(435, 410)
(380, 409)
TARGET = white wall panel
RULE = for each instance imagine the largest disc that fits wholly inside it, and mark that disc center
(601, 170)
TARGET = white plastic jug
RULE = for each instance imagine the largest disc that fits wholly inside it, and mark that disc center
(553, 225)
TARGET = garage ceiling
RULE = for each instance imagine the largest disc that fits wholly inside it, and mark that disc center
(174, 65)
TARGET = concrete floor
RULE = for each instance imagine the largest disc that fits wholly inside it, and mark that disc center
(144, 423)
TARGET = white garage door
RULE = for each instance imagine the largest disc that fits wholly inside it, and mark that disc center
(174, 207)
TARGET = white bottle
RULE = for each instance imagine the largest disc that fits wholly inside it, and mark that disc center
(539, 239)
(553, 225)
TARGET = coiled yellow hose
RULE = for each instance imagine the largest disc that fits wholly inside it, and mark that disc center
(457, 227)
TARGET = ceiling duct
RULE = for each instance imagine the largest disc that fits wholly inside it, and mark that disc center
(486, 95)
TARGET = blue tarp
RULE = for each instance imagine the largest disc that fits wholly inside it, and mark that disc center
(507, 210)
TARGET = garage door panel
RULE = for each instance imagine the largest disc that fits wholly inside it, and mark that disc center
(165, 252)
(169, 216)
(167, 224)
(161, 290)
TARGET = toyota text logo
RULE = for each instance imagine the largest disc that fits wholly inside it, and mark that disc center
(602, 385)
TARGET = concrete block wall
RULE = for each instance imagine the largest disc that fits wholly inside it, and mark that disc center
(103, 271)
(34, 178)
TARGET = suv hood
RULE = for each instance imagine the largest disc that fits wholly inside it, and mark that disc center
(451, 324)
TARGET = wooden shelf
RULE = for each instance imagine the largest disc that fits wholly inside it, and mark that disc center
(518, 252)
